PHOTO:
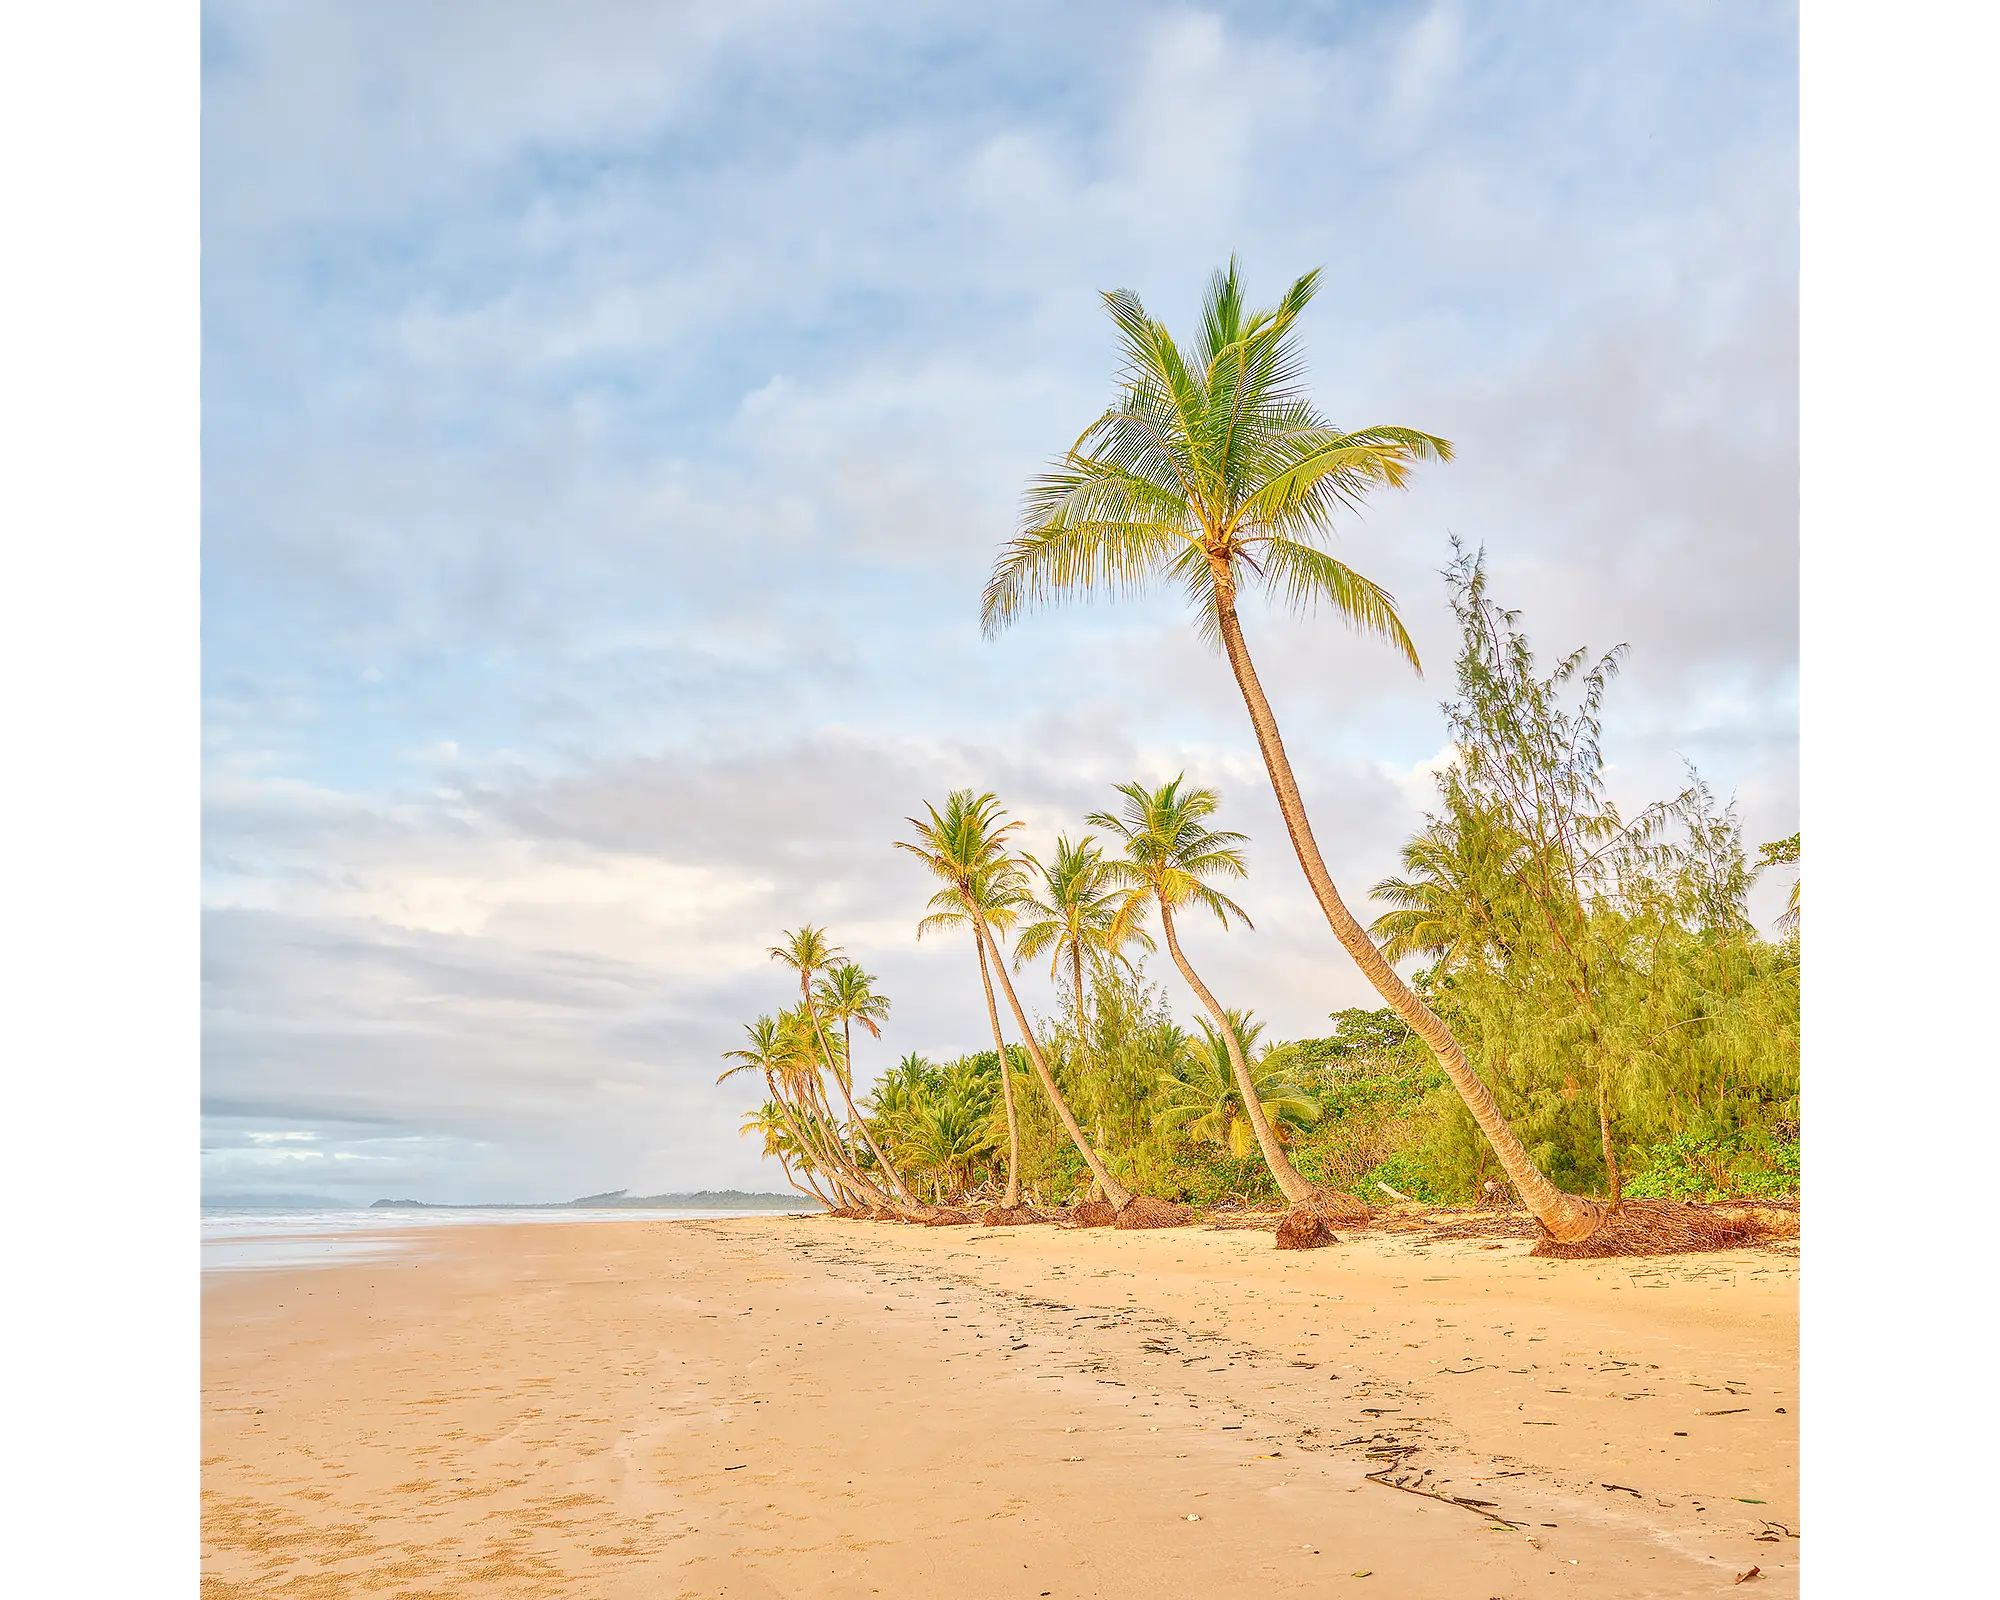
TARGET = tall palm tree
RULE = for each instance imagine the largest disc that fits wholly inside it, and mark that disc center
(984, 885)
(964, 846)
(808, 952)
(847, 995)
(1074, 918)
(1170, 853)
(1210, 467)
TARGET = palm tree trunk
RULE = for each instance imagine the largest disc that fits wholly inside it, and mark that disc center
(854, 1118)
(826, 1054)
(1567, 1217)
(1083, 1050)
(836, 1160)
(1291, 1182)
(807, 1154)
(1114, 1191)
(1012, 1198)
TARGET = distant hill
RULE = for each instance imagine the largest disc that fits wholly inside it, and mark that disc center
(622, 1200)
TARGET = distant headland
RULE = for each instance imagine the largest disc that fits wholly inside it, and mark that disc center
(621, 1200)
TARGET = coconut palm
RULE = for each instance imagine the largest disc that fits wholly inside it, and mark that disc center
(769, 1120)
(1211, 469)
(1072, 917)
(808, 952)
(947, 1133)
(967, 846)
(846, 994)
(1202, 1098)
(1447, 906)
(1170, 853)
(776, 1050)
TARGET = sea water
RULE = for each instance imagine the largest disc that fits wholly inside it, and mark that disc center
(234, 1240)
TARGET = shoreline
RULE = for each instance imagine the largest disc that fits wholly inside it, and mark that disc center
(535, 1409)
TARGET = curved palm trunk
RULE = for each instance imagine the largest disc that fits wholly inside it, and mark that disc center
(1291, 1182)
(855, 1121)
(809, 1155)
(1567, 1217)
(1114, 1191)
(835, 1159)
(1013, 1196)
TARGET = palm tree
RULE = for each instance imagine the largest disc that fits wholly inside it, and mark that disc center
(967, 847)
(964, 847)
(1169, 853)
(1447, 908)
(769, 1120)
(1202, 1097)
(1075, 912)
(947, 1133)
(847, 995)
(774, 1050)
(1207, 469)
(808, 952)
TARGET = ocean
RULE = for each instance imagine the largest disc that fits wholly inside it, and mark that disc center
(243, 1240)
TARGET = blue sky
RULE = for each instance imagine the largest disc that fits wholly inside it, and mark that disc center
(611, 412)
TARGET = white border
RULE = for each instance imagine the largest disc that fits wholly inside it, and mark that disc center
(1897, 537)
(99, 124)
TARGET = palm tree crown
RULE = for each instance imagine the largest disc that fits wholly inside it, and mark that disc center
(1074, 914)
(1201, 1095)
(1170, 852)
(1208, 464)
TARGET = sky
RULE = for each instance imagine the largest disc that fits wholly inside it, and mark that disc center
(611, 412)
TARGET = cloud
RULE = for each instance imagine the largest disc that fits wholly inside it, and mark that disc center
(610, 415)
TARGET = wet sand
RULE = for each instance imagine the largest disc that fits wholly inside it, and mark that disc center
(778, 1407)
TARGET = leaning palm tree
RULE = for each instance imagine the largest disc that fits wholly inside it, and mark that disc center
(1170, 853)
(774, 1051)
(769, 1121)
(1073, 919)
(846, 995)
(967, 846)
(1200, 1096)
(964, 847)
(808, 952)
(1211, 468)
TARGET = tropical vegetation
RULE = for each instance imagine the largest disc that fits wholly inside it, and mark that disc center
(1586, 1011)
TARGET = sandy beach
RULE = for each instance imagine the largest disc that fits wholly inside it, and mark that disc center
(810, 1407)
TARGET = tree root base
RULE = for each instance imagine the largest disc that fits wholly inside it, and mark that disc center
(1092, 1214)
(1145, 1211)
(1012, 1217)
(1304, 1229)
(1343, 1209)
(1672, 1227)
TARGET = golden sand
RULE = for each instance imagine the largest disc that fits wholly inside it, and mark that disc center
(779, 1407)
